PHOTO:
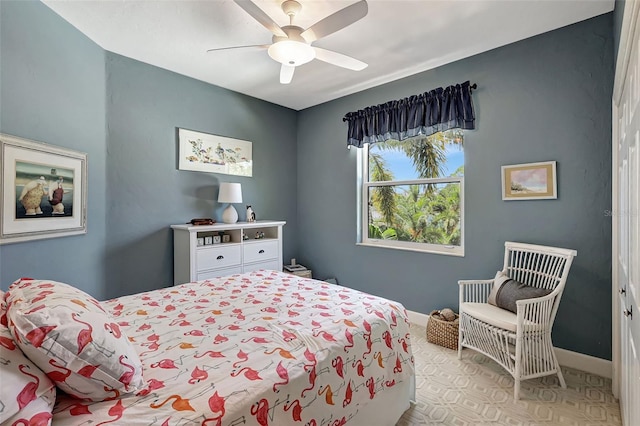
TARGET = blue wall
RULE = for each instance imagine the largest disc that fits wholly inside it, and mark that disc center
(61, 88)
(544, 98)
(618, 13)
(146, 193)
(52, 89)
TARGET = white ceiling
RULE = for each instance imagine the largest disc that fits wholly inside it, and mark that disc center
(397, 38)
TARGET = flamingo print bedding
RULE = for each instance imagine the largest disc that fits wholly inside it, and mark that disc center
(260, 348)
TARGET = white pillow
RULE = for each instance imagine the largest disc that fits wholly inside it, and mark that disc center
(67, 333)
(26, 392)
(3, 309)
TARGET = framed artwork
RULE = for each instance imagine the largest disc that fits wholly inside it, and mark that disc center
(203, 152)
(532, 181)
(44, 191)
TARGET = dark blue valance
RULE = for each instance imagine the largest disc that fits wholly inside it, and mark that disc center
(425, 114)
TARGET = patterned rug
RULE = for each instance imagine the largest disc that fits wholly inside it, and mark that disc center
(477, 391)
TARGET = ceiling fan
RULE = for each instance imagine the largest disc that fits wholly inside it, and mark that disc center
(291, 45)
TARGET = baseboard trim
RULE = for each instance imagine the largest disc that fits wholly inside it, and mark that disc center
(588, 363)
(418, 318)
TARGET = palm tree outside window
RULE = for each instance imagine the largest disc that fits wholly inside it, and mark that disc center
(412, 193)
(411, 169)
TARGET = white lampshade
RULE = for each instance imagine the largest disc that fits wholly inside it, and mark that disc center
(230, 193)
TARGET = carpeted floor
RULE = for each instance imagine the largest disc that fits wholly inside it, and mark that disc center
(476, 391)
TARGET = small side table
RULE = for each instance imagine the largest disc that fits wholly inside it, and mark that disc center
(305, 274)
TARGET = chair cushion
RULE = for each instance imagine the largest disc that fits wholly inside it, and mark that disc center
(497, 317)
(491, 314)
(506, 292)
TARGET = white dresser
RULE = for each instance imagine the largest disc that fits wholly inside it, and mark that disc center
(193, 260)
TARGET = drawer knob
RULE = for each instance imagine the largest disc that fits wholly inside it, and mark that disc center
(220, 257)
(261, 251)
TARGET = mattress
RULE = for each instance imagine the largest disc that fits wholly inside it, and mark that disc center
(261, 348)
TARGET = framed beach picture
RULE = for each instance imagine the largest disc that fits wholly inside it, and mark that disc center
(44, 191)
(203, 152)
(532, 181)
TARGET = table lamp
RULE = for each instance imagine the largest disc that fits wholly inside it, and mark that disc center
(230, 193)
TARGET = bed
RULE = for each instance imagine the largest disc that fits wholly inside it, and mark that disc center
(260, 348)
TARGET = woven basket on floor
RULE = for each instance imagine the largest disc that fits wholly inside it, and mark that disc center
(442, 332)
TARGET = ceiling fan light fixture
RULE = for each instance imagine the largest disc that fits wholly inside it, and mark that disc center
(290, 52)
(291, 44)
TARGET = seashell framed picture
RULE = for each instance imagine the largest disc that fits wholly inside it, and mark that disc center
(204, 152)
(44, 190)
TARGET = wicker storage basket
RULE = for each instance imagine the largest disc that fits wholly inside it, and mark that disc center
(442, 332)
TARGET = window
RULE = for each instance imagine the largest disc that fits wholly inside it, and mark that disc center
(412, 194)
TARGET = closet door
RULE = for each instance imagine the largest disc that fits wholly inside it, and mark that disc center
(626, 227)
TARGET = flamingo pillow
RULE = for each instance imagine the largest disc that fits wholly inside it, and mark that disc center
(68, 334)
(26, 393)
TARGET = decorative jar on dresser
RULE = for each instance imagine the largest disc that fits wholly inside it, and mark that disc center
(250, 246)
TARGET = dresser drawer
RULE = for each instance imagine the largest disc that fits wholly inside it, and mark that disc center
(270, 264)
(207, 275)
(217, 257)
(257, 252)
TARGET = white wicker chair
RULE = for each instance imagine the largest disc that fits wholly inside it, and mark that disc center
(521, 343)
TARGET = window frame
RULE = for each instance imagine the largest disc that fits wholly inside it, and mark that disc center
(363, 210)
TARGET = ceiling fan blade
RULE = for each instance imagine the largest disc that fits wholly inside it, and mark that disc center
(336, 21)
(252, 9)
(339, 59)
(261, 46)
(286, 73)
